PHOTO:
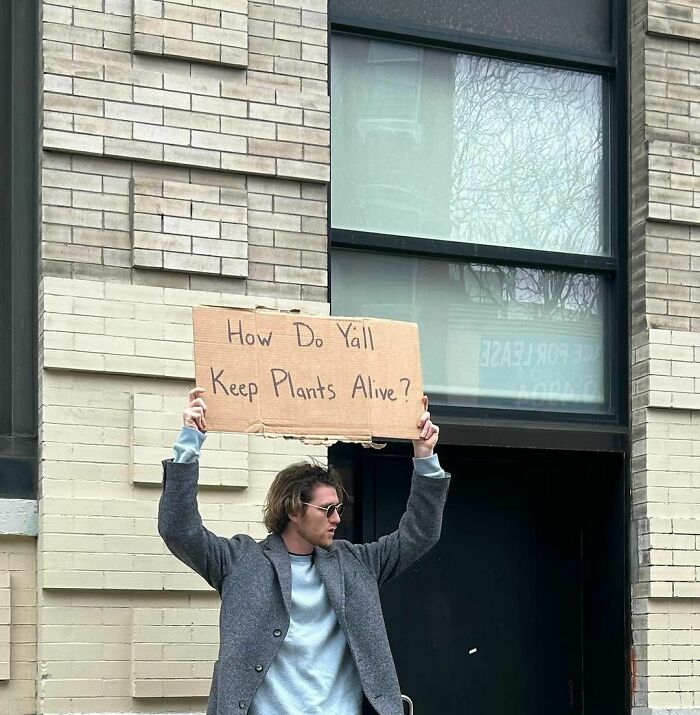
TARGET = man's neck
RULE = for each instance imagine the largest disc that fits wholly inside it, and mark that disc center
(296, 544)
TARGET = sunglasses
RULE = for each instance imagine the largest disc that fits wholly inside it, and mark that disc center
(330, 510)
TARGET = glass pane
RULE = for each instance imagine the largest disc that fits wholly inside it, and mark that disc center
(490, 335)
(570, 25)
(463, 148)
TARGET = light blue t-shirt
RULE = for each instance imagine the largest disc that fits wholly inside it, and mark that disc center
(313, 672)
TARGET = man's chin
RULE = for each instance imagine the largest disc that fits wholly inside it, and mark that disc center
(326, 543)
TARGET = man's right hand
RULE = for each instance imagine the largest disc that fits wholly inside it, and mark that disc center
(195, 414)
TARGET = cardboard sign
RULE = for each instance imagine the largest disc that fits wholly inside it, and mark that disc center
(319, 378)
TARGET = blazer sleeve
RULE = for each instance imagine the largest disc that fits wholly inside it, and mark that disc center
(419, 530)
(180, 526)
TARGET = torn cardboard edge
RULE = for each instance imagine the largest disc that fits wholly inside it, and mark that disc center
(322, 441)
(329, 442)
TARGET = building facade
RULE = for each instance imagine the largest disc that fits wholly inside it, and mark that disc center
(521, 179)
(664, 137)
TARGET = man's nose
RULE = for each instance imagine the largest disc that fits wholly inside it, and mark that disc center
(335, 518)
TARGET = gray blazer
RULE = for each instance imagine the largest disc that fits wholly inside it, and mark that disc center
(254, 581)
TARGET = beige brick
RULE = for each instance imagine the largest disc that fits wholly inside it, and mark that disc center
(196, 32)
(18, 620)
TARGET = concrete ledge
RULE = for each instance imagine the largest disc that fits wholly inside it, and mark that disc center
(18, 517)
(665, 711)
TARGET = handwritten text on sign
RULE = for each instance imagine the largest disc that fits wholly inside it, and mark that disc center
(308, 376)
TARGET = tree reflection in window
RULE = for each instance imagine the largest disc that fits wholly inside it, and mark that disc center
(435, 144)
(528, 292)
(528, 155)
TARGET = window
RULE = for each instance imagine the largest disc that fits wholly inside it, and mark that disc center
(466, 148)
(471, 194)
(490, 335)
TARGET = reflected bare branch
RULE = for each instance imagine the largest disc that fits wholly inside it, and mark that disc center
(528, 152)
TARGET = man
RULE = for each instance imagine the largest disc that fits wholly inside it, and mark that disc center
(301, 626)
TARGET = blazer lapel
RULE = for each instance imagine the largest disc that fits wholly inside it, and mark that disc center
(331, 574)
(276, 552)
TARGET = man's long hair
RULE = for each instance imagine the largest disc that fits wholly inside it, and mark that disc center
(292, 486)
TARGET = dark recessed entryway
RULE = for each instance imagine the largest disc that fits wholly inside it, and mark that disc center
(520, 610)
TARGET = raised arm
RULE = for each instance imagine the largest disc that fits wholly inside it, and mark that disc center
(179, 522)
(420, 526)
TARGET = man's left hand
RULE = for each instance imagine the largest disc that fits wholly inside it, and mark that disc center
(424, 446)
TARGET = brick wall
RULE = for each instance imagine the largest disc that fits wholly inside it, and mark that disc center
(18, 618)
(186, 159)
(665, 269)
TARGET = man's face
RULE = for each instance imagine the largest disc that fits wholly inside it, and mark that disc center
(313, 525)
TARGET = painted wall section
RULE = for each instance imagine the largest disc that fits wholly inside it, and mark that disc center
(18, 625)
(186, 155)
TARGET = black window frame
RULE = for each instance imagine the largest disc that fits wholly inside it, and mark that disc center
(19, 207)
(609, 427)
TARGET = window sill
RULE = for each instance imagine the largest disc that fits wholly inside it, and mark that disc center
(19, 517)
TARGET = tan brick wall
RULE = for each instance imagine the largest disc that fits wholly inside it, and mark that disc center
(225, 463)
(87, 228)
(186, 156)
(207, 31)
(665, 342)
(192, 228)
(87, 650)
(18, 619)
(172, 651)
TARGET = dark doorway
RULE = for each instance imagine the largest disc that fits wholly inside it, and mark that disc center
(520, 609)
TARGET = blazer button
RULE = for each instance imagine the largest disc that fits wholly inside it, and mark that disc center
(241, 704)
(277, 633)
(258, 668)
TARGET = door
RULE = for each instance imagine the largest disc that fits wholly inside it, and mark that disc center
(495, 620)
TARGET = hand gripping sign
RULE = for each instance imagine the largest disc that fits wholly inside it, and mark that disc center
(317, 378)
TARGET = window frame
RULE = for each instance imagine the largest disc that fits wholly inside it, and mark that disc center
(343, 20)
(612, 267)
(19, 248)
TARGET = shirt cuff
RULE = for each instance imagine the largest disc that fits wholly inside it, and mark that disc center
(188, 445)
(429, 467)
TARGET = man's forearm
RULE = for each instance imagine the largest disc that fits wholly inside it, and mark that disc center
(180, 524)
(421, 524)
(419, 527)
